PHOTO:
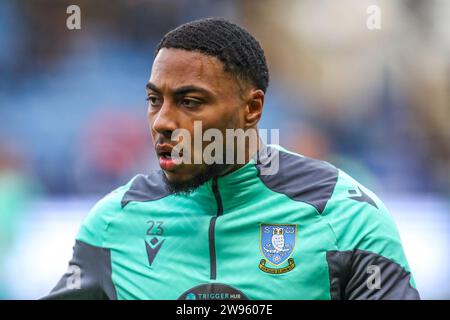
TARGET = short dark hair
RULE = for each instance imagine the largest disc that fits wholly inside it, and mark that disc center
(239, 51)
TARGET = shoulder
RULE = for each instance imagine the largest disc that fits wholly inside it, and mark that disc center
(361, 221)
(146, 188)
(366, 233)
(354, 212)
(139, 188)
(350, 192)
(350, 199)
(299, 177)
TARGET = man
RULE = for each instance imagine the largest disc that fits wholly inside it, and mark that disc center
(230, 229)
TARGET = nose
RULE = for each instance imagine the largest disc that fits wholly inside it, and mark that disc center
(165, 120)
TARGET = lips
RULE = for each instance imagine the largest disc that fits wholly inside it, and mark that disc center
(164, 152)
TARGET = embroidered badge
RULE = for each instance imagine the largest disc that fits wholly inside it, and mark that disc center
(277, 244)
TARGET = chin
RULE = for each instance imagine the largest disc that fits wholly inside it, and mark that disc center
(188, 178)
(185, 181)
(179, 175)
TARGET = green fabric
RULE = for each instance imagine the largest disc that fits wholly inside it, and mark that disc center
(183, 261)
(359, 225)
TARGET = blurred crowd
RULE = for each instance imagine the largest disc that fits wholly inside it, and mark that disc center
(373, 102)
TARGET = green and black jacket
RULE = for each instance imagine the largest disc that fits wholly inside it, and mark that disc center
(309, 231)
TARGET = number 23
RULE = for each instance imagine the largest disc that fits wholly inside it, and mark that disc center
(155, 231)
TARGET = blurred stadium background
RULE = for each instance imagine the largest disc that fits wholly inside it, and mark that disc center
(73, 116)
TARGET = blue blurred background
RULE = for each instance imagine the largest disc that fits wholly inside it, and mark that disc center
(375, 103)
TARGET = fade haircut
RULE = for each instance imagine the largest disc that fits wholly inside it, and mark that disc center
(239, 51)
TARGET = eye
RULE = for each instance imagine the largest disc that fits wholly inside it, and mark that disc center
(190, 103)
(154, 101)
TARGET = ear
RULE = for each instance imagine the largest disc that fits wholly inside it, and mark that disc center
(254, 107)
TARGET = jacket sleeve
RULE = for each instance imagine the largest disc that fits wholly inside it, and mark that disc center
(89, 275)
(369, 261)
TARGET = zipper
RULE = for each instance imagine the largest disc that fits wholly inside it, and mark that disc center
(212, 227)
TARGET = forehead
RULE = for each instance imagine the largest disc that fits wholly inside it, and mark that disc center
(176, 67)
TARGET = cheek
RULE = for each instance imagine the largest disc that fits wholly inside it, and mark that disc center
(232, 119)
(228, 116)
(150, 121)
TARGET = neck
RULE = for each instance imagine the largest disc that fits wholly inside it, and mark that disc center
(250, 150)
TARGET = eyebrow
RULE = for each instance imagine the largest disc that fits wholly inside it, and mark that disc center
(181, 90)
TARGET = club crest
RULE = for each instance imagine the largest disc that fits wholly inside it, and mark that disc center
(277, 245)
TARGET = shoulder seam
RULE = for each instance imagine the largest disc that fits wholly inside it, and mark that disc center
(124, 202)
(315, 171)
(332, 192)
(108, 223)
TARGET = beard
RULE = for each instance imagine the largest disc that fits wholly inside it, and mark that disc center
(208, 171)
(188, 186)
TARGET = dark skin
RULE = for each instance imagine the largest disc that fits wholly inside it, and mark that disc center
(187, 86)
